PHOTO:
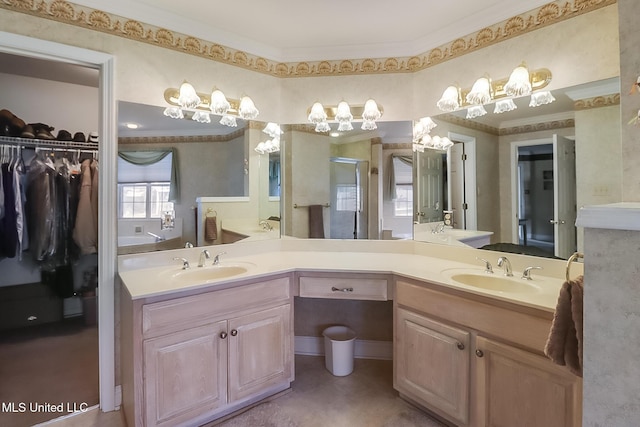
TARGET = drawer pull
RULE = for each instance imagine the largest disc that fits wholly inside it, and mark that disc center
(460, 345)
(223, 335)
(479, 353)
(334, 289)
(234, 332)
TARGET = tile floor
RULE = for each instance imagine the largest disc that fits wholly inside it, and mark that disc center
(317, 399)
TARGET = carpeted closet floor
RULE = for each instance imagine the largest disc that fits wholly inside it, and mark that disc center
(51, 363)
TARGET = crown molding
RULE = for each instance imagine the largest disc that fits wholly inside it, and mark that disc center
(97, 20)
(597, 102)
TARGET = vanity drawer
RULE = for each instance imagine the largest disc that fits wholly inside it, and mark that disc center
(176, 314)
(344, 288)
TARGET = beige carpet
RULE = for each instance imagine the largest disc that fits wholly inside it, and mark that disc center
(47, 364)
(365, 398)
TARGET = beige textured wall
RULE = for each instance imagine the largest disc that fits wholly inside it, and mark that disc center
(598, 158)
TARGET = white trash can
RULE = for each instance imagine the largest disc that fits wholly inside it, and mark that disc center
(339, 344)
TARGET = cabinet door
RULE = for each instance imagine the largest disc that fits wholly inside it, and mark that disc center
(185, 374)
(518, 388)
(260, 351)
(431, 364)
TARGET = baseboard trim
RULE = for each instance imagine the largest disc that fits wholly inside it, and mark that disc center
(364, 349)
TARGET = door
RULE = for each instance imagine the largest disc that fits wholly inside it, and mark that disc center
(564, 197)
(349, 199)
(185, 374)
(431, 364)
(260, 351)
(518, 388)
(458, 205)
(430, 191)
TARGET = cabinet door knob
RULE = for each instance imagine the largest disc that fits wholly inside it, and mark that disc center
(223, 335)
(234, 332)
(460, 345)
(479, 353)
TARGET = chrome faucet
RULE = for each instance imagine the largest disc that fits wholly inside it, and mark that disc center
(487, 265)
(265, 225)
(526, 274)
(158, 237)
(438, 228)
(185, 263)
(216, 259)
(203, 255)
(506, 264)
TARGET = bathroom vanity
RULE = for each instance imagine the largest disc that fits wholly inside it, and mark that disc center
(201, 343)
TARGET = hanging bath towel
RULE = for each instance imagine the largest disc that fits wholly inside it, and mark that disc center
(210, 228)
(316, 222)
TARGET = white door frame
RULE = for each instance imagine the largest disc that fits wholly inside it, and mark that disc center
(105, 63)
(515, 225)
(470, 186)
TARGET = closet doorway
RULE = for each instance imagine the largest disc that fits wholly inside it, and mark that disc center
(53, 337)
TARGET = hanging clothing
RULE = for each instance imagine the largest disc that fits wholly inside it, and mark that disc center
(8, 228)
(41, 209)
(85, 233)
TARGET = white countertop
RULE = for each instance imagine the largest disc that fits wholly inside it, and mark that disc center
(147, 275)
(252, 229)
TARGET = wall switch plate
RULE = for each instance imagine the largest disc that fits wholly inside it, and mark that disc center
(138, 229)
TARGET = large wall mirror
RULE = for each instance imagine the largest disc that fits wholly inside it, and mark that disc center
(336, 184)
(520, 176)
(182, 182)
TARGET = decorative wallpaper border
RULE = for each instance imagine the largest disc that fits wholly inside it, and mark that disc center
(97, 20)
(597, 102)
(536, 127)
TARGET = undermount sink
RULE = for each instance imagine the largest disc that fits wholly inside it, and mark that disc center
(494, 282)
(208, 274)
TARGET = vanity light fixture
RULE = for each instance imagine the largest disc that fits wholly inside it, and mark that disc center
(201, 106)
(504, 105)
(422, 138)
(450, 100)
(480, 93)
(521, 82)
(541, 98)
(344, 117)
(475, 111)
(271, 145)
(344, 114)
(188, 97)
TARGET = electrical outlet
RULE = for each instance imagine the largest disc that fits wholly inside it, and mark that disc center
(138, 229)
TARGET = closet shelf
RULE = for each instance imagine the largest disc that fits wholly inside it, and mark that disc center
(48, 143)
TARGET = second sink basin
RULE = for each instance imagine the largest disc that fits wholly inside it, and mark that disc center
(492, 282)
(208, 274)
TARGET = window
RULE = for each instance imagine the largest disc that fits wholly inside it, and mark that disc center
(346, 197)
(403, 202)
(143, 189)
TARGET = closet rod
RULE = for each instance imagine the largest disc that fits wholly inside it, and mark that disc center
(48, 143)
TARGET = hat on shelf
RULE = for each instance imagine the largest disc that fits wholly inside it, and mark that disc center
(93, 137)
(63, 135)
(79, 137)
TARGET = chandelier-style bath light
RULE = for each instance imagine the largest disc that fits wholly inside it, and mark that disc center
(520, 83)
(201, 106)
(270, 145)
(344, 114)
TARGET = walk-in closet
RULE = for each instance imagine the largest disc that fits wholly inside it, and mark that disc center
(48, 239)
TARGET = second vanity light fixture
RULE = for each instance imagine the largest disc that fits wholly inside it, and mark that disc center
(344, 114)
(271, 145)
(423, 139)
(520, 83)
(201, 106)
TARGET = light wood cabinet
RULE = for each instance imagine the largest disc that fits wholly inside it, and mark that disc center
(185, 374)
(432, 364)
(519, 388)
(201, 356)
(477, 364)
